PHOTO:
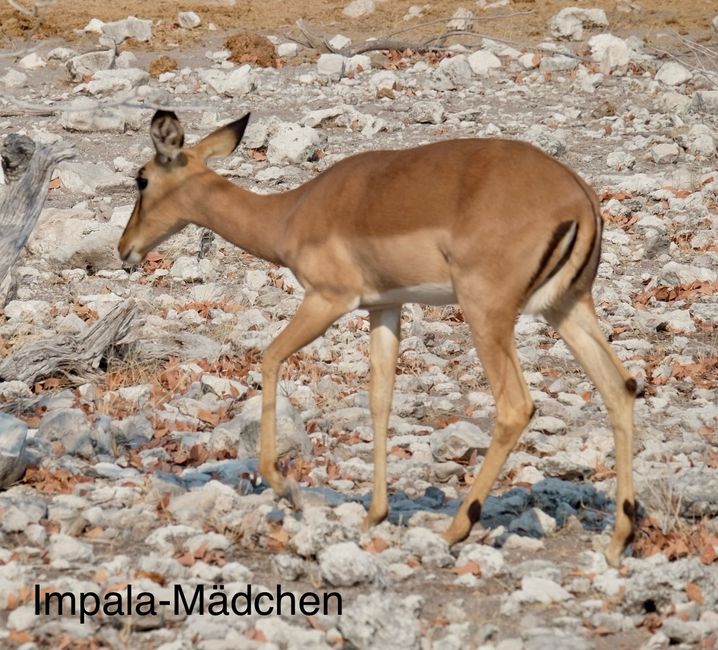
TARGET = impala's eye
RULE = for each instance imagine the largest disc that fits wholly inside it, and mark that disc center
(141, 183)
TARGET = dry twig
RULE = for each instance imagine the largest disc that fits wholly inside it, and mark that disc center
(24, 10)
(32, 13)
(127, 100)
(705, 59)
(387, 42)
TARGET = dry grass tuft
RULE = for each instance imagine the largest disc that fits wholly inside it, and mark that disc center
(162, 64)
(251, 48)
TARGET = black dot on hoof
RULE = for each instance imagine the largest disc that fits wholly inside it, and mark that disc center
(631, 386)
(474, 511)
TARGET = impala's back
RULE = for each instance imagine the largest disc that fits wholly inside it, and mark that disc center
(414, 219)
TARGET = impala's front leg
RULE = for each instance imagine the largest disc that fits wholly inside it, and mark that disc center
(383, 351)
(312, 319)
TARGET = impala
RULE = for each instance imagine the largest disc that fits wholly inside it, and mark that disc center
(494, 225)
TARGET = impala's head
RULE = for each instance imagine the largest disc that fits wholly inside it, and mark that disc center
(170, 185)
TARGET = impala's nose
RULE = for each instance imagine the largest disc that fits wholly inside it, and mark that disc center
(130, 256)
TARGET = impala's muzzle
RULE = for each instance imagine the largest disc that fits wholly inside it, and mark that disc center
(132, 257)
(129, 254)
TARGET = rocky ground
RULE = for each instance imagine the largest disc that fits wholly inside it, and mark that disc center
(143, 471)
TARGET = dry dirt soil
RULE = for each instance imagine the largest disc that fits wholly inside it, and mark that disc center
(62, 19)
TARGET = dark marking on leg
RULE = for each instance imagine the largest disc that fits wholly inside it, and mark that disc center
(474, 511)
(631, 511)
(631, 385)
(564, 258)
(558, 234)
(533, 411)
(584, 264)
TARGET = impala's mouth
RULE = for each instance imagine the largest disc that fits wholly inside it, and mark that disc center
(132, 256)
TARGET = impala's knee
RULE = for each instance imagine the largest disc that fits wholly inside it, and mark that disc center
(511, 422)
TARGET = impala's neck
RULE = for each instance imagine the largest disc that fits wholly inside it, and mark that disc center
(254, 222)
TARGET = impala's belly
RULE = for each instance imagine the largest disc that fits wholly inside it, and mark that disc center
(430, 293)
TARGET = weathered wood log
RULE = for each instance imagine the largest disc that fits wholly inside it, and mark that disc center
(73, 356)
(27, 169)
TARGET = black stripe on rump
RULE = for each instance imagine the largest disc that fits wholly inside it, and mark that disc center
(584, 264)
(558, 234)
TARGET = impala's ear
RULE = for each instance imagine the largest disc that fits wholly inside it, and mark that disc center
(223, 141)
(167, 135)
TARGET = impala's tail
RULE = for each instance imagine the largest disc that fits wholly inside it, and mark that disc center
(570, 259)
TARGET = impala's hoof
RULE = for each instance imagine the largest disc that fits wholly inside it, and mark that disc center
(373, 518)
(613, 554)
(455, 534)
(292, 494)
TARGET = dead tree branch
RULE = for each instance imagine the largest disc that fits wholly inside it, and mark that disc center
(32, 13)
(69, 355)
(388, 42)
(28, 169)
(23, 10)
(705, 59)
(437, 21)
(125, 100)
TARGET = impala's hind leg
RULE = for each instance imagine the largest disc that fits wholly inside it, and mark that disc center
(383, 351)
(493, 334)
(578, 326)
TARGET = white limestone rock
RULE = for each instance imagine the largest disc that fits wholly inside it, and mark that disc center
(242, 431)
(462, 20)
(339, 42)
(454, 72)
(483, 62)
(359, 8)
(14, 79)
(427, 112)
(345, 564)
(85, 65)
(293, 143)
(87, 178)
(457, 441)
(13, 435)
(611, 52)
(130, 27)
(236, 83)
(287, 50)
(188, 19)
(673, 73)
(32, 61)
(665, 153)
(569, 22)
(113, 81)
(331, 66)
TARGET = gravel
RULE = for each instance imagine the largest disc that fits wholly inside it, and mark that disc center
(147, 471)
